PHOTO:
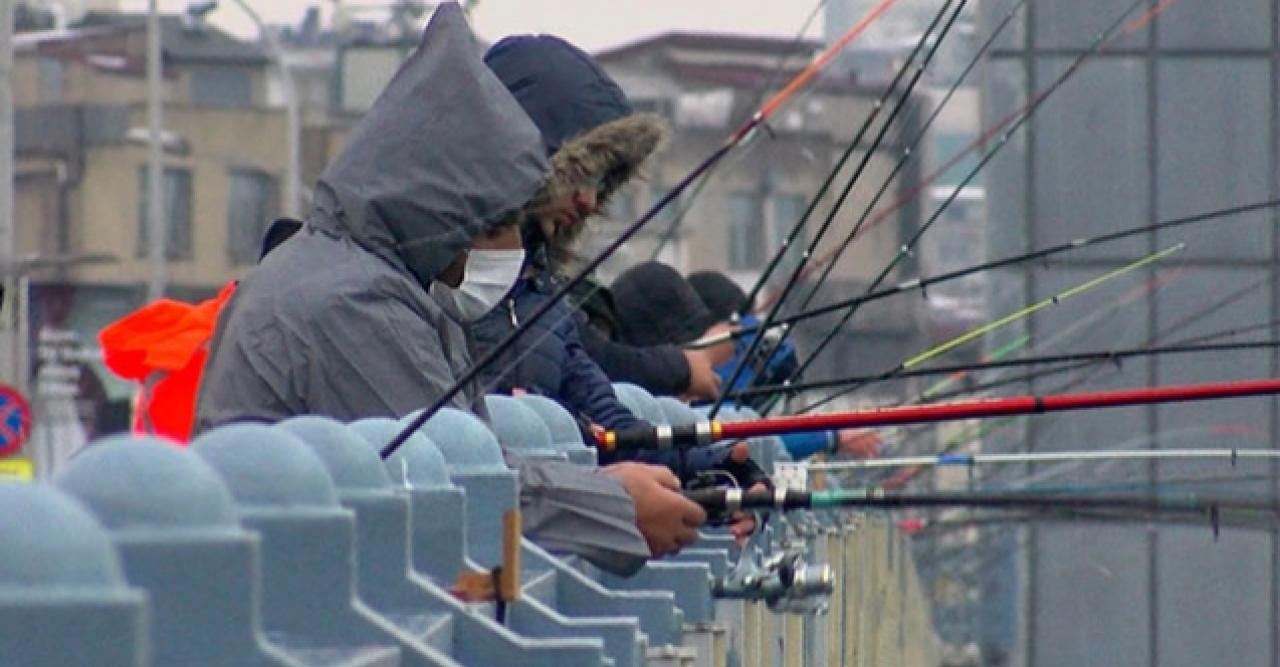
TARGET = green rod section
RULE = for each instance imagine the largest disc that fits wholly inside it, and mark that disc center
(1038, 306)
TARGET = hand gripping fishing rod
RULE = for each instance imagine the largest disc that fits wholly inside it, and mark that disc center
(737, 137)
(702, 433)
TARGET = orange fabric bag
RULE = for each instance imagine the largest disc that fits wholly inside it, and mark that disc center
(163, 346)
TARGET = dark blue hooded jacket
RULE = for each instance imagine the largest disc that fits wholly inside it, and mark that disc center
(570, 99)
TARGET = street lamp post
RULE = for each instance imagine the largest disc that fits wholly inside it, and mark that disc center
(156, 227)
(293, 115)
(11, 350)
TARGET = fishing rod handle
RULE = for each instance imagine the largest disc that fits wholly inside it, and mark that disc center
(722, 500)
(661, 436)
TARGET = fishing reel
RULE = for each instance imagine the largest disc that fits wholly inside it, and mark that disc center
(784, 581)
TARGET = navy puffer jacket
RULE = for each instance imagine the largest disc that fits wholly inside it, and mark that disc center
(549, 359)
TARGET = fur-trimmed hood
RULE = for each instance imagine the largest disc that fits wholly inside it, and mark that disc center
(592, 135)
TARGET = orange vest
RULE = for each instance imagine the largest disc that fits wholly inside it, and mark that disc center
(163, 346)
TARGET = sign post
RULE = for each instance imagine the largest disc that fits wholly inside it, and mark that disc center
(15, 421)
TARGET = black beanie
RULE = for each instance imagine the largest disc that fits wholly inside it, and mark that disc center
(721, 295)
(657, 306)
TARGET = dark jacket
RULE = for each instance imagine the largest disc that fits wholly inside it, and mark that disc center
(660, 369)
(597, 142)
(549, 359)
(594, 141)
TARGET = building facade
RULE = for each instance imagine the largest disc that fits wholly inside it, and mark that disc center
(708, 84)
(81, 196)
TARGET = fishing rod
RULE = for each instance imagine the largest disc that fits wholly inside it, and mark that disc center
(677, 220)
(907, 155)
(706, 432)
(1173, 328)
(997, 354)
(737, 137)
(1158, 281)
(1116, 29)
(952, 343)
(1239, 518)
(992, 131)
(785, 500)
(994, 425)
(793, 235)
(742, 364)
(1074, 359)
(1015, 316)
(922, 284)
(1187, 345)
(1231, 455)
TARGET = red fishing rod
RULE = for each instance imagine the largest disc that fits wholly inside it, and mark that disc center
(665, 436)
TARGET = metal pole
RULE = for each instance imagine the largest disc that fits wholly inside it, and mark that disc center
(156, 227)
(293, 115)
(10, 346)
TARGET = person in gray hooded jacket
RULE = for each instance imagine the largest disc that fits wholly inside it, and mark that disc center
(363, 311)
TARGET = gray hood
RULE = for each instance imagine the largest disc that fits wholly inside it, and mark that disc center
(444, 153)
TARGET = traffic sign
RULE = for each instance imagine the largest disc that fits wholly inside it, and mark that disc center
(15, 420)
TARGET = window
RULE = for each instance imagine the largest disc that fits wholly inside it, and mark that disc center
(51, 80)
(252, 202)
(745, 231)
(177, 209)
(787, 210)
(221, 87)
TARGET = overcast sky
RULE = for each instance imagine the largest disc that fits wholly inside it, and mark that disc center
(592, 24)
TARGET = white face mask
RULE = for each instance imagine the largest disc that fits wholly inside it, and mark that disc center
(489, 275)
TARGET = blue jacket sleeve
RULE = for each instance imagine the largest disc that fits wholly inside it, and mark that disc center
(803, 445)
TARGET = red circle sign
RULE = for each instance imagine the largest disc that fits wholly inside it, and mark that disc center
(15, 420)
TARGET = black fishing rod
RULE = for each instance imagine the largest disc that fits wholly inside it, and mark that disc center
(1080, 360)
(830, 260)
(787, 500)
(812, 246)
(923, 284)
(1182, 323)
(1113, 356)
(907, 154)
(1252, 519)
(1114, 30)
(793, 235)
(1179, 325)
(686, 205)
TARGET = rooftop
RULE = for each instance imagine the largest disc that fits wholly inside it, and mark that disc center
(181, 40)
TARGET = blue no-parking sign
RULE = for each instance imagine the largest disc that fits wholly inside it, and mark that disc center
(15, 420)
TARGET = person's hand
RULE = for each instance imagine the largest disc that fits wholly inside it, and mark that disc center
(743, 524)
(720, 352)
(668, 520)
(704, 384)
(859, 444)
